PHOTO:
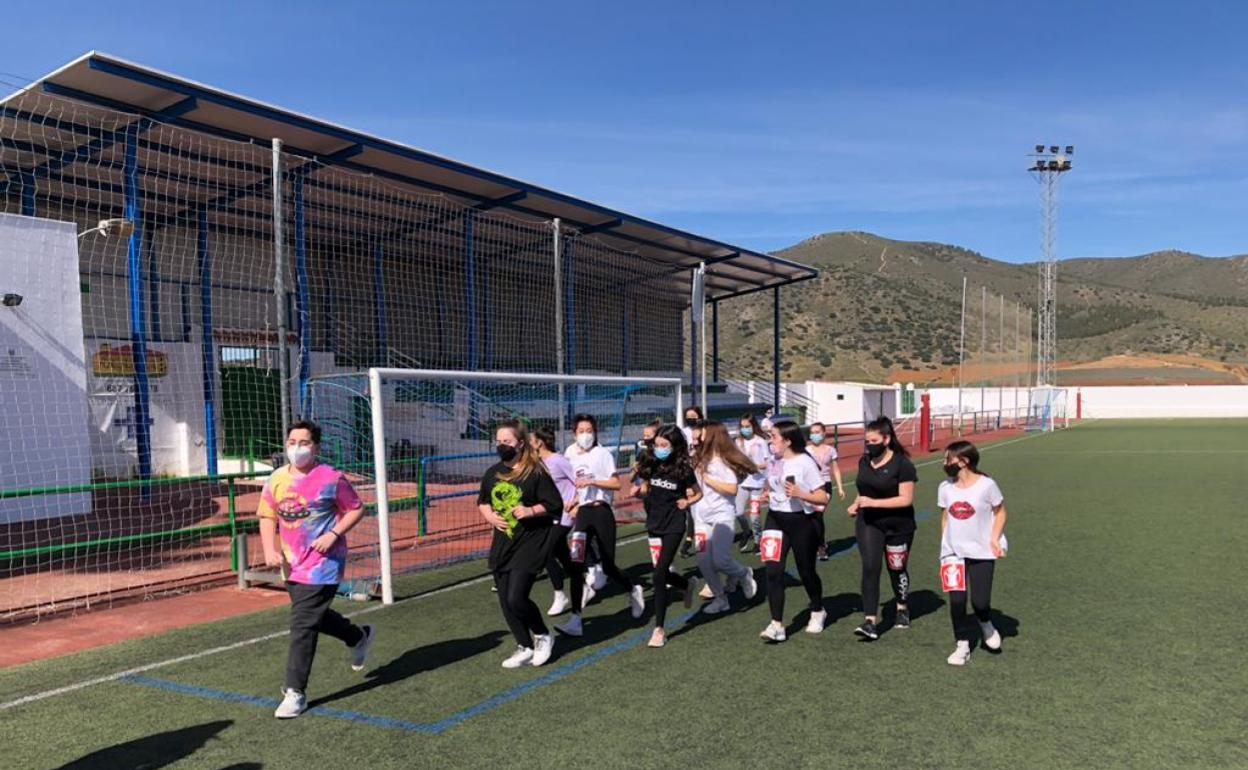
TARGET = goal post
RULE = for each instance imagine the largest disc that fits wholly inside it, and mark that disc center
(442, 422)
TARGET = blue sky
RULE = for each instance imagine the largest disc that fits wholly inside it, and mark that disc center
(757, 123)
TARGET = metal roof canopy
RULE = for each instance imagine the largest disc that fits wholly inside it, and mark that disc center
(117, 84)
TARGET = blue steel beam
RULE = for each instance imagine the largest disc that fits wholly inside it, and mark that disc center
(302, 302)
(138, 332)
(208, 355)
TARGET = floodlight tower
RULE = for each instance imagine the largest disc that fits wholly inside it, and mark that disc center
(1048, 165)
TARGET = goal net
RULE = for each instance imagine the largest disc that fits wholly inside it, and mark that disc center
(1046, 410)
(416, 442)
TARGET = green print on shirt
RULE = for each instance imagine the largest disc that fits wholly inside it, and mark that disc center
(503, 498)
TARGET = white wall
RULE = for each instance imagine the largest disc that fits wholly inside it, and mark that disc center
(842, 402)
(1166, 401)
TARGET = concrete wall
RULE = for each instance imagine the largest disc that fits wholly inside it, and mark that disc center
(1109, 402)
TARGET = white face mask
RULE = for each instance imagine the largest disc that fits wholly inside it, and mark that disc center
(299, 456)
(585, 440)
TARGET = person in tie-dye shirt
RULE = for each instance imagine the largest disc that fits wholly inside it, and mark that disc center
(306, 510)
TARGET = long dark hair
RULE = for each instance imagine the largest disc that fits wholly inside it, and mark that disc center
(884, 427)
(792, 433)
(546, 436)
(697, 411)
(678, 463)
(965, 450)
(752, 419)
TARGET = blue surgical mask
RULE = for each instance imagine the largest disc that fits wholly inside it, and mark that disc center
(747, 433)
(662, 452)
(816, 438)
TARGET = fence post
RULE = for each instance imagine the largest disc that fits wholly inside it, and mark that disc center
(925, 424)
(279, 280)
(232, 513)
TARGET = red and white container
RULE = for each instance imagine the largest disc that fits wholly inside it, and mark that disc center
(771, 545)
(656, 548)
(576, 546)
(896, 555)
(952, 574)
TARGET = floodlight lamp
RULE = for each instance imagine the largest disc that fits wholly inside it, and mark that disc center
(1053, 165)
(12, 300)
(1070, 149)
(1039, 148)
(1066, 165)
(1054, 149)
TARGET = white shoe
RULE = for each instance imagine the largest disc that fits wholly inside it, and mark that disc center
(720, 604)
(599, 578)
(560, 605)
(774, 632)
(518, 658)
(637, 601)
(749, 585)
(816, 622)
(992, 639)
(691, 591)
(572, 627)
(706, 592)
(293, 704)
(543, 648)
(587, 595)
(961, 654)
(359, 653)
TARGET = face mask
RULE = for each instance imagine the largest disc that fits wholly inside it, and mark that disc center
(816, 438)
(875, 451)
(585, 440)
(299, 456)
(506, 453)
(952, 470)
(663, 452)
(747, 433)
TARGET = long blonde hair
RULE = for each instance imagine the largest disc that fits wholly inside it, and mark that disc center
(717, 443)
(528, 461)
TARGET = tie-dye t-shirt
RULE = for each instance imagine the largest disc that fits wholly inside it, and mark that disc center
(306, 506)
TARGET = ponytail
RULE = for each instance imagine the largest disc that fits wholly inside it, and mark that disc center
(884, 427)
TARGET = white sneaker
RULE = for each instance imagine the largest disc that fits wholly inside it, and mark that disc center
(816, 622)
(637, 601)
(691, 591)
(598, 578)
(706, 592)
(720, 604)
(774, 632)
(543, 648)
(560, 605)
(359, 653)
(749, 585)
(293, 704)
(961, 654)
(587, 595)
(572, 627)
(518, 658)
(992, 639)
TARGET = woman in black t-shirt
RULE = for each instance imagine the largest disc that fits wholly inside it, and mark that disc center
(885, 526)
(520, 500)
(668, 488)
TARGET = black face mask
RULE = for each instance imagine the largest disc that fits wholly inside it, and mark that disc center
(876, 451)
(952, 470)
(506, 453)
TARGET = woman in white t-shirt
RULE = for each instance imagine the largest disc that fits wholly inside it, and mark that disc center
(752, 442)
(972, 533)
(824, 452)
(795, 488)
(720, 468)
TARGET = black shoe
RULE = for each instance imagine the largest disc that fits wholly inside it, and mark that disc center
(902, 619)
(867, 630)
(686, 550)
(748, 545)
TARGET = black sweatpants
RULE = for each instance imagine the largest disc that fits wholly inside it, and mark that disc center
(522, 615)
(979, 581)
(561, 565)
(800, 536)
(872, 539)
(664, 578)
(597, 520)
(311, 616)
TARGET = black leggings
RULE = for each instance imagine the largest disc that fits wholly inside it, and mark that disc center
(872, 539)
(561, 564)
(598, 522)
(979, 581)
(664, 577)
(799, 535)
(311, 616)
(522, 615)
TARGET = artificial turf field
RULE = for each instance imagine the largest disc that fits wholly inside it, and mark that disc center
(1122, 603)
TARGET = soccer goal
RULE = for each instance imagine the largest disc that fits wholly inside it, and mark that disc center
(1047, 409)
(416, 442)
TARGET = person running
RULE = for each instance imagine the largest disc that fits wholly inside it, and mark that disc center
(972, 531)
(796, 488)
(559, 567)
(825, 454)
(694, 430)
(885, 525)
(520, 501)
(596, 483)
(720, 467)
(668, 488)
(306, 510)
(752, 442)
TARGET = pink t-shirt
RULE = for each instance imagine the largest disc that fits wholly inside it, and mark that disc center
(306, 506)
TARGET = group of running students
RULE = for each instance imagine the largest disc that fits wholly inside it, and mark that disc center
(551, 512)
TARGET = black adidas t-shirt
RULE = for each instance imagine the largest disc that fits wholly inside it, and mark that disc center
(529, 545)
(884, 482)
(662, 515)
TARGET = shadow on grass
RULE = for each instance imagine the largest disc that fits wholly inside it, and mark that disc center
(417, 661)
(153, 751)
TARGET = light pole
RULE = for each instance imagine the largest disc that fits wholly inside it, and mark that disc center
(1048, 164)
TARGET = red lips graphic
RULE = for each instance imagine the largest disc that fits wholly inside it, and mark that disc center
(961, 510)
